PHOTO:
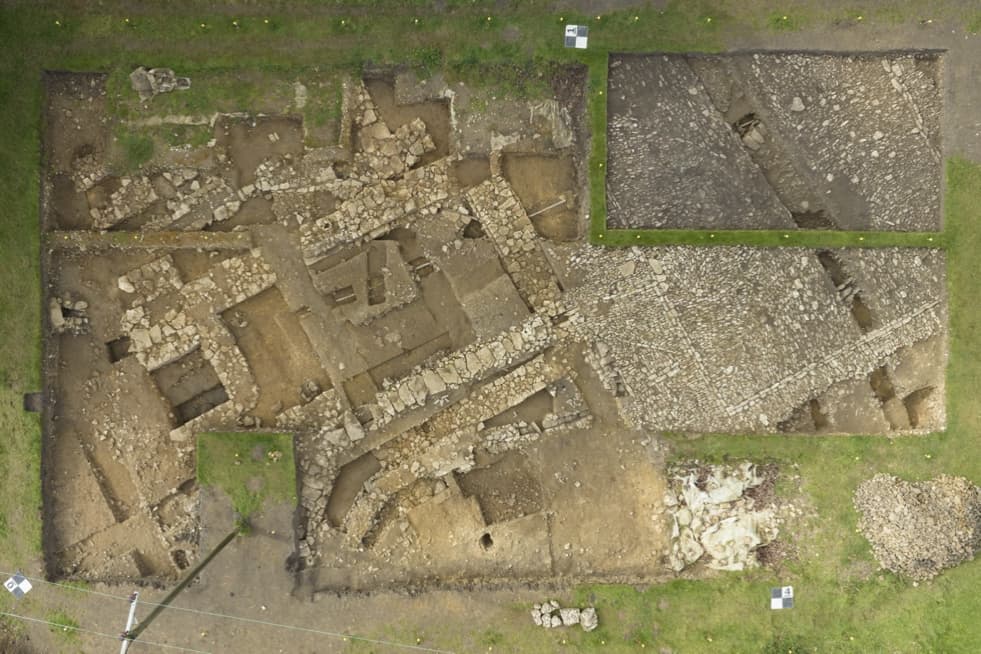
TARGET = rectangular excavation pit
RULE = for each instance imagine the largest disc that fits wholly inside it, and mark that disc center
(719, 313)
(368, 283)
(191, 386)
(278, 352)
(348, 485)
(399, 366)
(404, 326)
(435, 114)
(545, 185)
(118, 348)
(506, 489)
(532, 410)
(775, 140)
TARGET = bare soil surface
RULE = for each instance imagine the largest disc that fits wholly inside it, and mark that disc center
(546, 185)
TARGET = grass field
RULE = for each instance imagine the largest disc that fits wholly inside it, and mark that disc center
(843, 605)
(250, 468)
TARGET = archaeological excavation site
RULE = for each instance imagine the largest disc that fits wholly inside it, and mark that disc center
(405, 283)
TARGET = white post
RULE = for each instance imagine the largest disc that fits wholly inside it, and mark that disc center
(129, 623)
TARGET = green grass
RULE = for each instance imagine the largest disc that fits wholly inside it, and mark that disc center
(769, 238)
(324, 106)
(20, 306)
(974, 24)
(12, 636)
(596, 106)
(963, 207)
(64, 626)
(212, 90)
(135, 149)
(177, 135)
(784, 22)
(249, 467)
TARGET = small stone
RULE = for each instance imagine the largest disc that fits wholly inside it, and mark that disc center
(125, 285)
(797, 104)
(536, 616)
(434, 383)
(588, 619)
(57, 317)
(569, 616)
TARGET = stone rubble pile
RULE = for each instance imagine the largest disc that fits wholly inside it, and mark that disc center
(385, 154)
(156, 344)
(504, 219)
(550, 615)
(149, 83)
(319, 413)
(372, 212)
(570, 413)
(919, 529)
(134, 195)
(472, 363)
(195, 205)
(192, 200)
(68, 316)
(713, 521)
(87, 171)
(151, 280)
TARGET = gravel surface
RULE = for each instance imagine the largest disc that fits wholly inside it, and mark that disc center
(919, 529)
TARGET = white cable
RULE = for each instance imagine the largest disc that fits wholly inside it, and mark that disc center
(387, 643)
(97, 633)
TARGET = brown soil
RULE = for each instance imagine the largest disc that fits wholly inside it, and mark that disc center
(349, 483)
(471, 171)
(73, 127)
(277, 349)
(436, 115)
(506, 490)
(765, 493)
(94, 485)
(190, 385)
(249, 142)
(120, 493)
(546, 187)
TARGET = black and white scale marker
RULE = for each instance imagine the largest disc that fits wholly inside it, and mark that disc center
(18, 585)
(576, 36)
(782, 598)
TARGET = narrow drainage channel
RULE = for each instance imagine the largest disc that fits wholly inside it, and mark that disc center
(777, 168)
(896, 412)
